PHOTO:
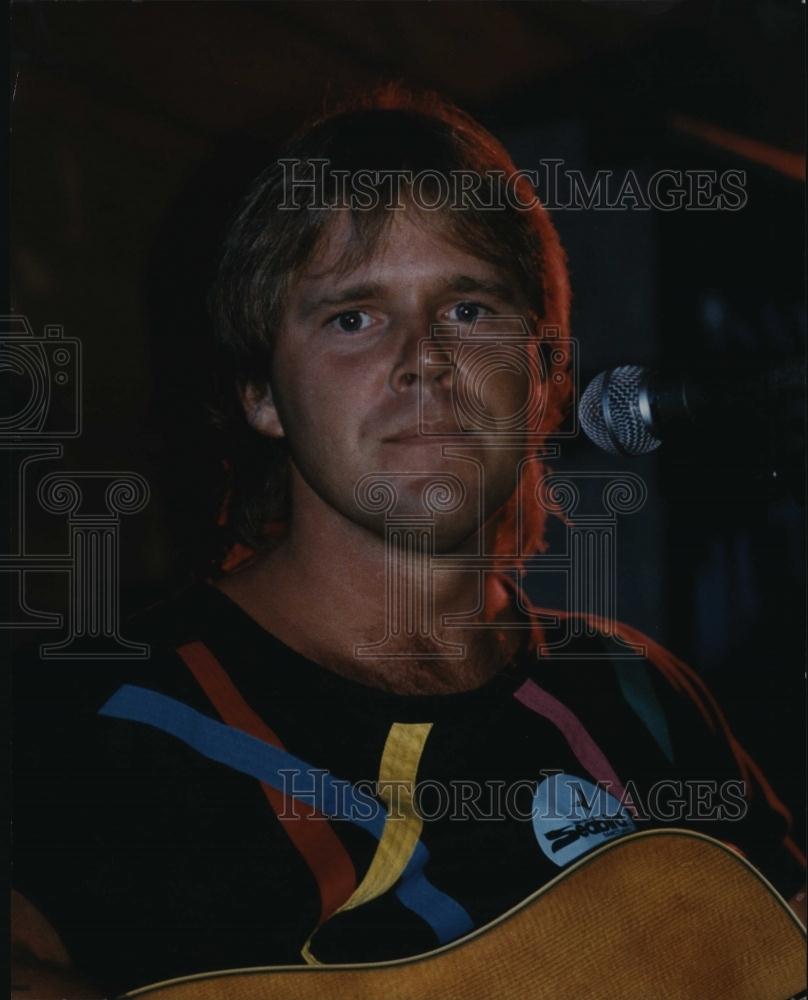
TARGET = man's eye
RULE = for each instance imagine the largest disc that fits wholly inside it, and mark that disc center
(467, 312)
(351, 321)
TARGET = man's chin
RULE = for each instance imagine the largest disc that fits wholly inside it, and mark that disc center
(420, 494)
(456, 539)
(415, 530)
(443, 505)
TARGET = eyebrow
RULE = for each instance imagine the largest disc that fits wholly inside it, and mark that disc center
(462, 284)
(352, 293)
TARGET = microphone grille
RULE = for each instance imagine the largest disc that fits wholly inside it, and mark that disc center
(625, 431)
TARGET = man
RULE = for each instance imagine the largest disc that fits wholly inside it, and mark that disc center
(349, 747)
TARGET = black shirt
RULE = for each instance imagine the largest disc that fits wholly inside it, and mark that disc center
(146, 803)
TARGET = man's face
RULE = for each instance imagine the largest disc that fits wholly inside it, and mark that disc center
(347, 387)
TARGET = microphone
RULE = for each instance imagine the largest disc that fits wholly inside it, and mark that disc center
(631, 410)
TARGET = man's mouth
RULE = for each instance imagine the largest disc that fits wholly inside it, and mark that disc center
(425, 431)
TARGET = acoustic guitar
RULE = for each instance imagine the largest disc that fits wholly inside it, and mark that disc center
(657, 915)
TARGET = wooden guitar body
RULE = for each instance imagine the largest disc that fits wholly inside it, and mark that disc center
(658, 915)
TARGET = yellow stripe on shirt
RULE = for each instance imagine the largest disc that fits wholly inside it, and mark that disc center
(402, 828)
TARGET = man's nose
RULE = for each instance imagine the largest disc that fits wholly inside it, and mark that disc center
(423, 358)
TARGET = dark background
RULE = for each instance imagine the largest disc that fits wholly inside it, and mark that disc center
(137, 125)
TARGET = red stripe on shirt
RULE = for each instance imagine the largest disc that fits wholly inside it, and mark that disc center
(318, 844)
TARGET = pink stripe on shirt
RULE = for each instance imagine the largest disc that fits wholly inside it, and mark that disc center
(580, 742)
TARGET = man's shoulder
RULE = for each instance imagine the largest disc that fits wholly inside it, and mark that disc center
(192, 643)
(179, 616)
(45, 675)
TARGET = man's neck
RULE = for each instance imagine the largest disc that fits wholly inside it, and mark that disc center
(325, 591)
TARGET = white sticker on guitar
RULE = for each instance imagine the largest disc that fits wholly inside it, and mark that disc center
(571, 816)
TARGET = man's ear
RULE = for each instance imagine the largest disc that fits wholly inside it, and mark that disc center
(260, 410)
